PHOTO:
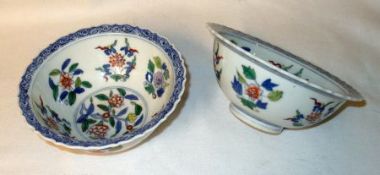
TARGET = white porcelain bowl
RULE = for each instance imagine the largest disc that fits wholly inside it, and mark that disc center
(102, 87)
(272, 89)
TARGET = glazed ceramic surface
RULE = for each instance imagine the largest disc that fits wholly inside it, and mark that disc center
(102, 87)
(272, 89)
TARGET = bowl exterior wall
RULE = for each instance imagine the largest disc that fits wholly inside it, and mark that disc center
(267, 96)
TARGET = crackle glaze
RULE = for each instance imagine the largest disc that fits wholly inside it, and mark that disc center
(272, 89)
(103, 88)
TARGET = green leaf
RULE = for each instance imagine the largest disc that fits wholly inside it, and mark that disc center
(103, 107)
(72, 97)
(84, 126)
(91, 121)
(112, 122)
(299, 73)
(138, 109)
(99, 69)
(297, 124)
(78, 82)
(134, 60)
(241, 78)
(287, 67)
(67, 129)
(275, 95)
(55, 72)
(73, 67)
(166, 74)
(249, 72)
(86, 84)
(248, 103)
(55, 92)
(116, 77)
(157, 61)
(121, 91)
(151, 66)
(114, 43)
(149, 88)
(101, 97)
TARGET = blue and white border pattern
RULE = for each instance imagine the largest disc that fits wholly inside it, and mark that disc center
(177, 62)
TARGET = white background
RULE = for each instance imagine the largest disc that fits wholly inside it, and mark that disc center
(203, 137)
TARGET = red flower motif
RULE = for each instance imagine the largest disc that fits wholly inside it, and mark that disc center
(106, 115)
(99, 130)
(116, 101)
(117, 60)
(129, 127)
(253, 92)
(314, 116)
(66, 80)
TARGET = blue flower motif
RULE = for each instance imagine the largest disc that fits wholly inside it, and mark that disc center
(106, 68)
(149, 77)
(261, 104)
(164, 66)
(110, 51)
(130, 66)
(78, 71)
(78, 90)
(65, 64)
(160, 91)
(268, 85)
(63, 95)
(128, 51)
(297, 118)
(236, 85)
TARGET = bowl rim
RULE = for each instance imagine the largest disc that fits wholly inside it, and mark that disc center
(350, 93)
(161, 42)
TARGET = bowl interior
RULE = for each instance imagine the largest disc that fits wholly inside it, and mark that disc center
(287, 63)
(103, 86)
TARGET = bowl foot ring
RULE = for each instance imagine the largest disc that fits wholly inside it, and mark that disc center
(255, 122)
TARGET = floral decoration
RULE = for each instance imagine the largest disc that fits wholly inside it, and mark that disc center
(287, 68)
(317, 113)
(216, 60)
(120, 63)
(65, 83)
(109, 113)
(52, 120)
(253, 94)
(156, 77)
(26, 81)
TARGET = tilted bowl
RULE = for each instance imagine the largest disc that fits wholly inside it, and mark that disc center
(102, 87)
(271, 89)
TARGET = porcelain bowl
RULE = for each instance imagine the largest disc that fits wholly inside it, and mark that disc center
(270, 88)
(103, 88)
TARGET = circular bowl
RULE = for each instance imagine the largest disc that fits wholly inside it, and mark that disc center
(102, 88)
(271, 89)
